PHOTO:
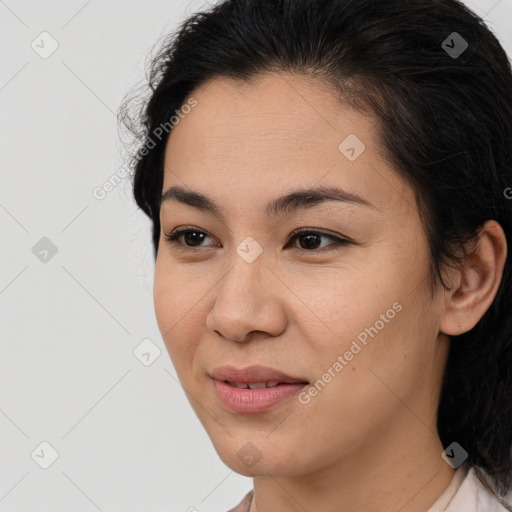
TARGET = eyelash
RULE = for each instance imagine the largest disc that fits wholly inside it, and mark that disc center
(173, 237)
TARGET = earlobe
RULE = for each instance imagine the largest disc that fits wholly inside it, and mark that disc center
(478, 281)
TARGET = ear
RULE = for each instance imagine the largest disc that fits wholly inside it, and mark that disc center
(474, 287)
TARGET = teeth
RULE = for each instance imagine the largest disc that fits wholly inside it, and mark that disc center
(257, 385)
(254, 385)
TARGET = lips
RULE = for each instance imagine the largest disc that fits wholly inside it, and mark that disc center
(254, 377)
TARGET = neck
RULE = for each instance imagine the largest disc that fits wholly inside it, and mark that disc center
(402, 473)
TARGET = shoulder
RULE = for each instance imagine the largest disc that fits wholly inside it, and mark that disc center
(245, 504)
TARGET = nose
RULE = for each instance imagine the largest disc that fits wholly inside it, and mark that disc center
(248, 299)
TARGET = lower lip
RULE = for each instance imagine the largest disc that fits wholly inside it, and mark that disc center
(240, 400)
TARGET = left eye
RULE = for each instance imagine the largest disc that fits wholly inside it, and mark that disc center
(309, 238)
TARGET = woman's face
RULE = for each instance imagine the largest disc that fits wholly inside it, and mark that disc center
(354, 318)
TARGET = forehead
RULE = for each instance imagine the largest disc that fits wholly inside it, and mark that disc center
(271, 110)
(280, 129)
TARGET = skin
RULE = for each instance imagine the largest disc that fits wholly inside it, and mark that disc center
(368, 439)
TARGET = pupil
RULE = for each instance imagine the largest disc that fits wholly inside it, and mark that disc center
(196, 237)
(310, 237)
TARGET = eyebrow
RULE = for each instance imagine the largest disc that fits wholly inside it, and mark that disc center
(293, 201)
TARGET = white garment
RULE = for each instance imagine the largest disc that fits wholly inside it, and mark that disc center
(466, 493)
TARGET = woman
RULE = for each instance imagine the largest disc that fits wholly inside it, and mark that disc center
(329, 187)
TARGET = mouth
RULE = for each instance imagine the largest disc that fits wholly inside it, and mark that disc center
(254, 389)
(254, 377)
(260, 385)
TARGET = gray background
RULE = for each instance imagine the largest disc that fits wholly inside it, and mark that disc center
(126, 436)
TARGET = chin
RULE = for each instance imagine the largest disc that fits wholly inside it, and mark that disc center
(257, 458)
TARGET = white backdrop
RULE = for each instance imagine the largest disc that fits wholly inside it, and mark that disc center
(85, 425)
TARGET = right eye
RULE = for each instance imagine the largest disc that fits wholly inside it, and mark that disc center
(190, 235)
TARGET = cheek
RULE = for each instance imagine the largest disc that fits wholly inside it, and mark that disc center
(338, 307)
(370, 320)
(384, 355)
(175, 307)
(173, 295)
(165, 300)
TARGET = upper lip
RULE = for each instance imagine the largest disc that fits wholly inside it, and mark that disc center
(253, 373)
